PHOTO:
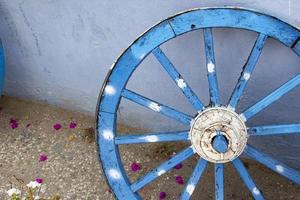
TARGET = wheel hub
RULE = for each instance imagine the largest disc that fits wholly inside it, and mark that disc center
(215, 124)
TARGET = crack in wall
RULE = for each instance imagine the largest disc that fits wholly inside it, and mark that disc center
(34, 35)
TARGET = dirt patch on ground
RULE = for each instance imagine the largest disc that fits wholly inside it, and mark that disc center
(72, 169)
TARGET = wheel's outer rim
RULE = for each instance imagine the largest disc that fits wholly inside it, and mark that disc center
(107, 105)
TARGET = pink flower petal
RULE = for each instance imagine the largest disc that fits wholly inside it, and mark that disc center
(57, 126)
(72, 125)
(43, 157)
(135, 167)
(179, 180)
(162, 195)
(39, 180)
(179, 166)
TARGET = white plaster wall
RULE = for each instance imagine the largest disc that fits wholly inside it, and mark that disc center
(59, 51)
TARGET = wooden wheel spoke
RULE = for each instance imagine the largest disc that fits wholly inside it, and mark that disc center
(272, 97)
(247, 71)
(162, 169)
(239, 166)
(193, 180)
(273, 164)
(157, 107)
(178, 79)
(219, 181)
(152, 137)
(281, 129)
(211, 67)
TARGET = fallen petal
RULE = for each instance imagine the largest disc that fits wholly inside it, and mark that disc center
(179, 180)
(43, 157)
(14, 125)
(179, 166)
(39, 180)
(57, 126)
(12, 121)
(135, 167)
(162, 195)
(72, 125)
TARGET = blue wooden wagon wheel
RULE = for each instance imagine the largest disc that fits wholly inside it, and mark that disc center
(222, 138)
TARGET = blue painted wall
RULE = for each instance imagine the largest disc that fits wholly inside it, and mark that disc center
(60, 51)
(2, 68)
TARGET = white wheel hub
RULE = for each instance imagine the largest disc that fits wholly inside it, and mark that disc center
(208, 124)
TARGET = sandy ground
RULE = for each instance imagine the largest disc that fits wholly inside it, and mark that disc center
(73, 171)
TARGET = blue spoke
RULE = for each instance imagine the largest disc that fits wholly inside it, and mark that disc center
(274, 129)
(177, 78)
(163, 168)
(247, 71)
(220, 143)
(157, 107)
(275, 95)
(211, 67)
(194, 179)
(219, 181)
(152, 137)
(239, 166)
(273, 164)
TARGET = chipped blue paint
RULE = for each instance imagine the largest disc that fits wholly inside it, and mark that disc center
(162, 169)
(193, 180)
(274, 129)
(239, 166)
(114, 89)
(235, 18)
(247, 71)
(296, 46)
(157, 107)
(273, 164)
(211, 67)
(2, 68)
(177, 78)
(109, 156)
(272, 97)
(152, 137)
(219, 181)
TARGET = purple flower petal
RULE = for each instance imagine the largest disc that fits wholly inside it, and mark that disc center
(179, 180)
(72, 125)
(162, 195)
(57, 126)
(43, 157)
(39, 180)
(14, 125)
(135, 167)
(28, 125)
(13, 121)
(179, 166)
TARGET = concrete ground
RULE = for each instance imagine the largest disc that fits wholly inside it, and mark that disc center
(72, 170)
